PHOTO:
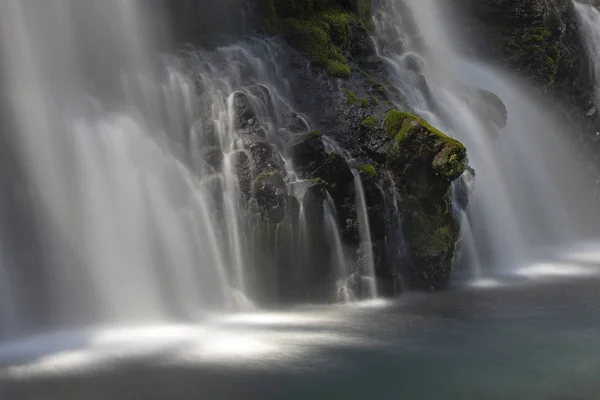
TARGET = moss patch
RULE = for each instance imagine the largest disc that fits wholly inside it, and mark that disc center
(368, 170)
(353, 99)
(314, 134)
(394, 122)
(535, 47)
(369, 122)
(316, 39)
(319, 29)
(417, 140)
(262, 176)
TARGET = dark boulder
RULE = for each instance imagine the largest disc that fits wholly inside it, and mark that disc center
(424, 162)
(307, 152)
(336, 173)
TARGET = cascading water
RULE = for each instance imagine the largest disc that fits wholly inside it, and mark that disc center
(589, 25)
(365, 237)
(136, 171)
(124, 223)
(528, 193)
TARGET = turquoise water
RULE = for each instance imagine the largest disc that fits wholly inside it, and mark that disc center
(520, 339)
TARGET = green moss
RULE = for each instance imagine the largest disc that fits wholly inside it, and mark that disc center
(321, 38)
(535, 48)
(369, 122)
(319, 29)
(435, 233)
(449, 159)
(339, 27)
(314, 133)
(351, 97)
(368, 170)
(262, 176)
(316, 181)
(394, 121)
(399, 123)
(338, 69)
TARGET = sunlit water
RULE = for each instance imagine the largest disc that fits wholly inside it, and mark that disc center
(530, 337)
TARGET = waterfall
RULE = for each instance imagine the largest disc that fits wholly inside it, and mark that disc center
(526, 200)
(124, 223)
(132, 164)
(366, 243)
(589, 25)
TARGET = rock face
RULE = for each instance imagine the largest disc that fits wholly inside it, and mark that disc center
(424, 162)
(395, 153)
(538, 39)
(292, 183)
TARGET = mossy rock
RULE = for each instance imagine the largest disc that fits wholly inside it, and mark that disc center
(368, 170)
(424, 162)
(319, 29)
(536, 49)
(421, 147)
(431, 235)
(353, 99)
(321, 40)
(369, 122)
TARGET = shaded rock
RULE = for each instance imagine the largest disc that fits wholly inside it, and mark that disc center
(312, 193)
(213, 156)
(421, 157)
(243, 110)
(431, 235)
(294, 124)
(424, 162)
(307, 152)
(269, 191)
(492, 108)
(336, 173)
(242, 165)
(264, 155)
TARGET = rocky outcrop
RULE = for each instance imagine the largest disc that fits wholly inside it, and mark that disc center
(538, 39)
(346, 92)
(541, 41)
(424, 162)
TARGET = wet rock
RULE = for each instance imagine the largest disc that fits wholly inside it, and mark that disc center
(492, 108)
(213, 156)
(269, 191)
(294, 124)
(264, 155)
(432, 233)
(336, 173)
(242, 165)
(245, 114)
(424, 162)
(307, 152)
(312, 193)
(421, 157)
